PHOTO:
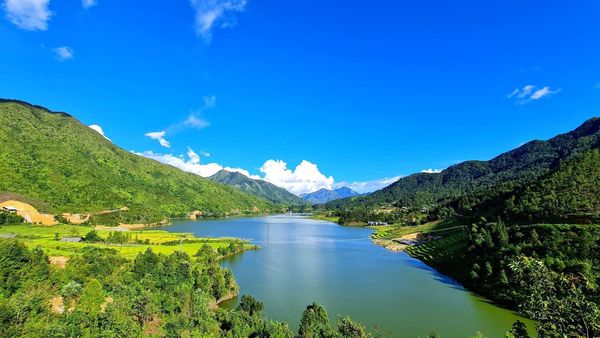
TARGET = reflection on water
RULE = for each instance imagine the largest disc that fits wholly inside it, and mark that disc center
(303, 260)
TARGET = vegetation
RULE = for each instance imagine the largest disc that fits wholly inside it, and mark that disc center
(266, 190)
(539, 250)
(550, 272)
(65, 166)
(326, 195)
(100, 294)
(504, 172)
(10, 218)
(128, 244)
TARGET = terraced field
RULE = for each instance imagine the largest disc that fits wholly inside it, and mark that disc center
(436, 251)
(394, 231)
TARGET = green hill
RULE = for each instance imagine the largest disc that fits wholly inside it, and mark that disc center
(508, 170)
(65, 166)
(569, 194)
(259, 188)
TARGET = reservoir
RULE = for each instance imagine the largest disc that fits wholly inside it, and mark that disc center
(303, 261)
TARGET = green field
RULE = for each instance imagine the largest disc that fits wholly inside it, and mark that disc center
(158, 240)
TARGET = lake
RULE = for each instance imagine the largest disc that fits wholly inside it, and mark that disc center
(303, 261)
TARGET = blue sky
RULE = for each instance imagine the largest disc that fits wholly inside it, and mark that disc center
(361, 90)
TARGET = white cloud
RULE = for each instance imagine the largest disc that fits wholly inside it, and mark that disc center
(209, 102)
(305, 178)
(368, 186)
(432, 171)
(196, 122)
(194, 158)
(243, 172)
(99, 130)
(192, 163)
(531, 92)
(189, 165)
(28, 14)
(538, 94)
(209, 13)
(89, 3)
(64, 53)
(160, 137)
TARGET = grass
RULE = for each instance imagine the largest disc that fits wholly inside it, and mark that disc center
(396, 231)
(44, 236)
(325, 218)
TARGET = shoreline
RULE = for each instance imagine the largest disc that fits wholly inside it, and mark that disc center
(389, 244)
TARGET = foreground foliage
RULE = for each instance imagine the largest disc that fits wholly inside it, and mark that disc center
(101, 294)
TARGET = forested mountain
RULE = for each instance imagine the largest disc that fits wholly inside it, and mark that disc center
(67, 167)
(508, 170)
(325, 195)
(569, 194)
(259, 188)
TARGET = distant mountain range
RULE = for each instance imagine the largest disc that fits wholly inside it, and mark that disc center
(61, 165)
(326, 195)
(258, 188)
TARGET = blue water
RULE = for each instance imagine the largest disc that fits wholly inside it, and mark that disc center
(303, 261)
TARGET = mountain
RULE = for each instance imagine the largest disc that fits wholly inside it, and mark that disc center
(259, 188)
(504, 172)
(325, 195)
(569, 194)
(65, 166)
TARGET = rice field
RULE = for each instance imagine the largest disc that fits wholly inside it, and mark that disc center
(159, 240)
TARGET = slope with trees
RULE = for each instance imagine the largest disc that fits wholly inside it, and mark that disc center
(505, 171)
(64, 166)
(260, 188)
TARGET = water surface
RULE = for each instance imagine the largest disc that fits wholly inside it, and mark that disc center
(303, 260)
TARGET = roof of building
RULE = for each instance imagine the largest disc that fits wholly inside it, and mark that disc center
(71, 239)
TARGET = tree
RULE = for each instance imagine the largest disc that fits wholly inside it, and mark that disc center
(250, 305)
(518, 330)
(92, 297)
(351, 329)
(71, 290)
(314, 321)
(93, 236)
(559, 305)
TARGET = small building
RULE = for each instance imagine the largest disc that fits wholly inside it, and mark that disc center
(72, 239)
(9, 208)
(375, 223)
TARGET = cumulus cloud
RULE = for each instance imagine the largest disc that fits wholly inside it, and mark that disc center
(160, 137)
(28, 14)
(368, 186)
(189, 165)
(530, 93)
(432, 171)
(98, 129)
(212, 13)
(305, 178)
(192, 163)
(64, 53)
(88, 3)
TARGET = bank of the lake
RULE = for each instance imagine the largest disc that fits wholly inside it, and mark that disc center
(303, 260)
